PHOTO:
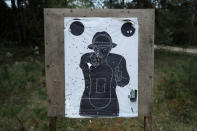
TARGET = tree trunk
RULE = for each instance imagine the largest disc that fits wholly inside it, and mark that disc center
(163, 4)
(66, 3)
(21, 23)
(110, 4)
(13, 5)
(194, 28)
(46, 3)
(122, 3)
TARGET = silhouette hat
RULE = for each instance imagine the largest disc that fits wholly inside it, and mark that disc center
(102, 39)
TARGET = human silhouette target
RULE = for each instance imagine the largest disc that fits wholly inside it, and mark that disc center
(102, 71)
(101, 67)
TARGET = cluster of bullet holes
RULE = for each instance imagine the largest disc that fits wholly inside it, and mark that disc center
(127, 29)
(77, 28)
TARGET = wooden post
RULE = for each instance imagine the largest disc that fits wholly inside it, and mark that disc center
(148, 123)
(52, 123)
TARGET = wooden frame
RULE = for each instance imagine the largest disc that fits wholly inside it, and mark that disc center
(54, 54)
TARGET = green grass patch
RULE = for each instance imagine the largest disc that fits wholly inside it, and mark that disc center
(23, 104)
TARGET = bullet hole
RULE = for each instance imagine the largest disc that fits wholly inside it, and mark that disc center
(127, 29)
(77, 28)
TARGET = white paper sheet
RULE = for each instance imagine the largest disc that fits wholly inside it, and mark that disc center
(76, 45)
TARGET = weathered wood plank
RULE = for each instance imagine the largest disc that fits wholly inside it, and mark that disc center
(54, 64)
(54, 54)
(52, 124)
(148, 123)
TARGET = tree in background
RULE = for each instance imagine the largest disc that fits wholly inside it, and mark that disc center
(22, 24)
(6, 24)
(176, 20)
(176, 23)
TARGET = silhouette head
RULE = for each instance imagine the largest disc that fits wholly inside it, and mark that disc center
(102, 44)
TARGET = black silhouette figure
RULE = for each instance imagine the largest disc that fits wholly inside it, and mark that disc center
(102, 71)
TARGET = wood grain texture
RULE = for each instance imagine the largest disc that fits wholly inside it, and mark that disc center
(54, 54)
(148, 123)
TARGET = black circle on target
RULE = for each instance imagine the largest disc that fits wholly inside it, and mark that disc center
(77, 28)
(127, 29)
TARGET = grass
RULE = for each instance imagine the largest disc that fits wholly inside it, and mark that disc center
(174, 101)
(23, 103)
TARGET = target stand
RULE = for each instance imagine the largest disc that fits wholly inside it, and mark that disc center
(100, 61)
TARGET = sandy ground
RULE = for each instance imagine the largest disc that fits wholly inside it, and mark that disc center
(177, 49)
